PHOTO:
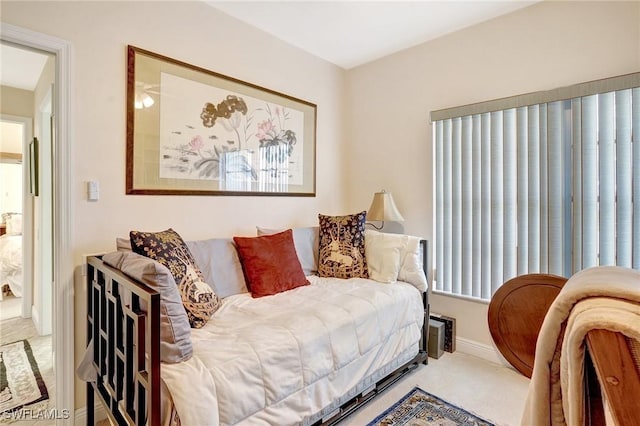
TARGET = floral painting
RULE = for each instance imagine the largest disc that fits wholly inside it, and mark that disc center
(192, 131)
(209, 133)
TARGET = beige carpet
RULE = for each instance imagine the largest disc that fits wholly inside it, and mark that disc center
(494, 392)
(10, 307)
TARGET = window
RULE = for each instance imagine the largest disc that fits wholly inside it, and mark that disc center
(545, 182)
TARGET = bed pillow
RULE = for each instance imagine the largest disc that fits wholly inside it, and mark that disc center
(383, 255)
(13, 223)
(175, 332)
(306, 243)
(219, 262)
(168, 248)
(411, 269)
(123, 244)
(270, 263)
(342, 248)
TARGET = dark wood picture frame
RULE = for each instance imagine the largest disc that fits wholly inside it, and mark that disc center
(34, 183)
(191, 131)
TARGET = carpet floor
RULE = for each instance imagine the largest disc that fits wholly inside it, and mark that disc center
(21, 384)
(41, 346)
(10, 307)
(491, 391)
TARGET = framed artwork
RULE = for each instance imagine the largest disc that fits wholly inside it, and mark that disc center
(33, 168)
(191, 131)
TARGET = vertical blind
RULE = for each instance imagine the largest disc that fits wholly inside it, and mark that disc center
(548, 187)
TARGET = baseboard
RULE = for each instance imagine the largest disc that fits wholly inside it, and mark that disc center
(36, 319)
(480, 350)
(81, 414)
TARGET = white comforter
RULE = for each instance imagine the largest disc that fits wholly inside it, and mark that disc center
(11, 263)
(283, 358)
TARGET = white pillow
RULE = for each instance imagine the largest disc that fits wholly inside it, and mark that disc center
(383, 252)
(411, 269)
(14, 224)
(380, 251)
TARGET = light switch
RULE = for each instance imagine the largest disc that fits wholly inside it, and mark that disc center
(93, 190)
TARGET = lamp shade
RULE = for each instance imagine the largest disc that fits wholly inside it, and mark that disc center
(383, 208)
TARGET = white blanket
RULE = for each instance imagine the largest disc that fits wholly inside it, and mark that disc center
(605, 297)
(282, 358)
(11, 263)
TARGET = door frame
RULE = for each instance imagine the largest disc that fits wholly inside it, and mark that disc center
(43, 307)
(63, 301)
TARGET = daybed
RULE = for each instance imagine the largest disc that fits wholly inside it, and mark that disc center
(306, 355)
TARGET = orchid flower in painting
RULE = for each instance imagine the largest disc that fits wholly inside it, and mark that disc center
(266, 130)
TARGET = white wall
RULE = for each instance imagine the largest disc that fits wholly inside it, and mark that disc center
(197, 34)
(10, 188)
(547, 45)
(15, 101)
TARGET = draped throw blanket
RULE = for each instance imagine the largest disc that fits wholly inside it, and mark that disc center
(605, 297)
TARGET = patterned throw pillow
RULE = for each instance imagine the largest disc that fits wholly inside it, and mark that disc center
(342, 252)
(168, 248)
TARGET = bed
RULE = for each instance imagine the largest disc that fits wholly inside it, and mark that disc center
(310, 355)
(11, 254)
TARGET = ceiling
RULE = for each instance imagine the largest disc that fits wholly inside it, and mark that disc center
(20, 68)
(349, 33)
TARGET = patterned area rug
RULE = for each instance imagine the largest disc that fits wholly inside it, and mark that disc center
(20, 380)
(420, 408)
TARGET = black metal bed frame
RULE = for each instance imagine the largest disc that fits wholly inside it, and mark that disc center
(123, 322)
(126, 346)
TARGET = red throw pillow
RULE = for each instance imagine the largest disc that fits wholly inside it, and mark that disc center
(270, 263)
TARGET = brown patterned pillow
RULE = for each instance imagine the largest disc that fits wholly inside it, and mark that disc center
(342, 253)
(168, 249)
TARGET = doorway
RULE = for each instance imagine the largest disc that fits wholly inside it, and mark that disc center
(15, 218)
(63, 264)
(26, 211)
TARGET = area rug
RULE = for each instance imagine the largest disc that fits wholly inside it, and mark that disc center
(20, 381)
(420, 408)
